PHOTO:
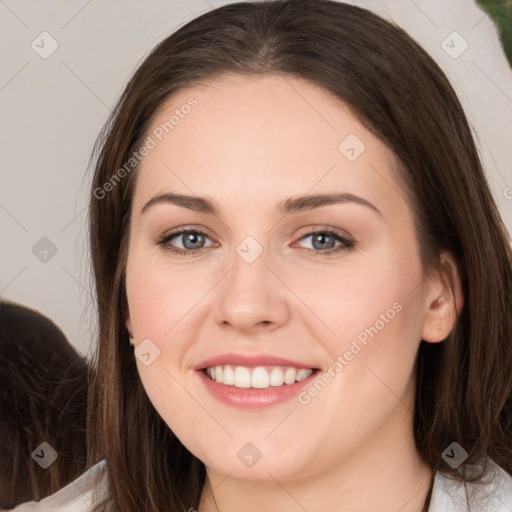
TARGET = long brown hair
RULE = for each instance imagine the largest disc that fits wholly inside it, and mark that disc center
(43, 396)
(397, 90)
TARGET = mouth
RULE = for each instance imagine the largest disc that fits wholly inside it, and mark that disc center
(259, 377)
(253, 382)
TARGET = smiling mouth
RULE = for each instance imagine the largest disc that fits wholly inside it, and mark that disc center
(259, 377)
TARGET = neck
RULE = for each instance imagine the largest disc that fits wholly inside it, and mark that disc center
(387, 474)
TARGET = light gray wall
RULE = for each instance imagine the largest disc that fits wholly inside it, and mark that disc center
(52, 109)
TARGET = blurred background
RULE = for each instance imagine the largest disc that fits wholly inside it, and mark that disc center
(501, 12)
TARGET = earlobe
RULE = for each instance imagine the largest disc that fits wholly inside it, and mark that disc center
(444, 301)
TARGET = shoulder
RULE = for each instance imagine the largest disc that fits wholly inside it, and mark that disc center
(80, 495)
(494, 494)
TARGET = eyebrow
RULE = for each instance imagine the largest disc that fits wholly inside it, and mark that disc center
(288, 206)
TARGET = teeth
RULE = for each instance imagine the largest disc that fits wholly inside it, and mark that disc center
(229, 376)
(302, 374)
(260, 377)
(289, 375)
(242, 377)
(276, 377)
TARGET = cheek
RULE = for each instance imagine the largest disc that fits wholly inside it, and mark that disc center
(161, 299)
(354, 300)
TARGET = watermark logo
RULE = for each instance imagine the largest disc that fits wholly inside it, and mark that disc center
(454, 45)
(44, 45)
(454, 455)
(45, 455)
(44, 250)
(146, 352)
(351, 147)
(249, 249)
(249, 455)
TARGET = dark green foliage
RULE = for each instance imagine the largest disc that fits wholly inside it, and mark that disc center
(501, 13)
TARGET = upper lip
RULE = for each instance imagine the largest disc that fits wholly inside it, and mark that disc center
(249, 361)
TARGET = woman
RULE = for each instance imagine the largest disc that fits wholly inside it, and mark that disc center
(339, 336)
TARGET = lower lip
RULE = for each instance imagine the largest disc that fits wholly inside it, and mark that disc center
(252, 398)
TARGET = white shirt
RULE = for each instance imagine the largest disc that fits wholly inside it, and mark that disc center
(447, 495)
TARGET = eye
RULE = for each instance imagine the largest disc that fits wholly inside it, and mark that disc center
(191, 239)
(325, 241)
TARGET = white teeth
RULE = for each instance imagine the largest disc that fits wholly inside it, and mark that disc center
(289, 375)
(242, 377)
(260, 377)
(229, 376)
(276, 377)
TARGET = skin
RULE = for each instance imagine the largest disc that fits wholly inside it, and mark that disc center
(250, 143)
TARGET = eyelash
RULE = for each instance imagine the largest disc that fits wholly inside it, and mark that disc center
(346, 243)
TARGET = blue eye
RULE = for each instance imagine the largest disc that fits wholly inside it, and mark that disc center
(193, 241)
(325, 241)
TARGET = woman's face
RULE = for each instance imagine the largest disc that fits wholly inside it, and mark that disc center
(279, 278)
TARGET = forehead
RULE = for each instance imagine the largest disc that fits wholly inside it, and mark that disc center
(262, 135)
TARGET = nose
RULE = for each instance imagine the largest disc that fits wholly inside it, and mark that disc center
(251, 298)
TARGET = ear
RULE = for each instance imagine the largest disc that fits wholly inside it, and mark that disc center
(444, 301)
